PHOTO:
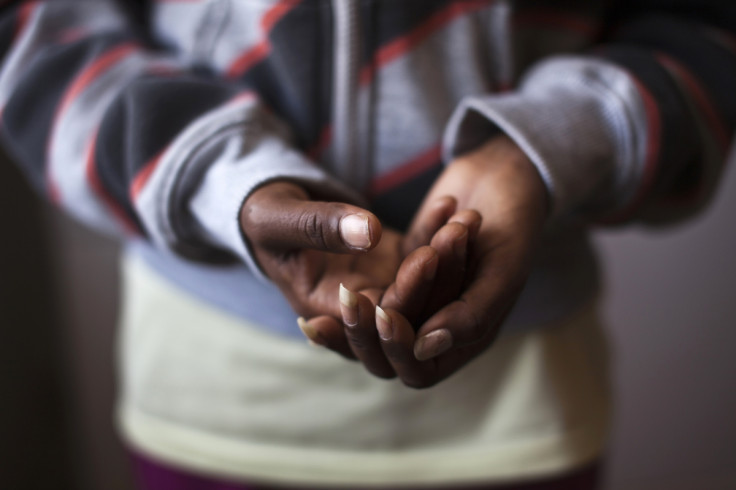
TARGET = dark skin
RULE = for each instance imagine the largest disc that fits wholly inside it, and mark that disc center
(443, 289)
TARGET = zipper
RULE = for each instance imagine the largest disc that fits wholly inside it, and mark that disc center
(346, 162)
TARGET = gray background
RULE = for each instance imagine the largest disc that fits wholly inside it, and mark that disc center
(669, 304)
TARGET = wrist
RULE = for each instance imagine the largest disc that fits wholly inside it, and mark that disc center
(502, 167)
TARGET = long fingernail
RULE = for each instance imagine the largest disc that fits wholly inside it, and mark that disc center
(309, 332)
(348, 306)
(383, 324)
(433, 344)
(355, 231)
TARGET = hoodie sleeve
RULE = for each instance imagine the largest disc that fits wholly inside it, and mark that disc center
(636, 127)
(130, 139)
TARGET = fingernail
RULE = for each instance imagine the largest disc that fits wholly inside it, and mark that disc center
(430, 268)
(309, 332)
(433, 344)
(348, 306)
(383, 324)
(460, 246)
(354, 231)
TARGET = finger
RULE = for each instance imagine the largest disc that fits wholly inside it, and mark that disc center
(429, 219)
(397, 341)
(280, 216)
(471, 219)
(451, 243)
(358, 315)
(473, 317)
(409, 292)
(327, 332)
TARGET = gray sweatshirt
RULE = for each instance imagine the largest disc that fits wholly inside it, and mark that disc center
(155, 120)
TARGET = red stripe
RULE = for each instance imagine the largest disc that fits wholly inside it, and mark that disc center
(144, 174)
(141, 178)
(243, 96)
(276, 12)
(95, 183)
(24, 14)
(93, 71)
(651, 159)
(83, 80)
(544, 18)
(701, 98)
(263, 47)
(398, 47)
(249, 58)
(405, 172)
(323, 141)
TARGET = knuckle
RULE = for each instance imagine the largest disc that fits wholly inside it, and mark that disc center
(312, 227)
(357, 341)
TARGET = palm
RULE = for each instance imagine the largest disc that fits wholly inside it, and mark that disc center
(310, 278)
(500, 183)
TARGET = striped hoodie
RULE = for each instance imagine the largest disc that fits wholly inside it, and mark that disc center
(156, 119)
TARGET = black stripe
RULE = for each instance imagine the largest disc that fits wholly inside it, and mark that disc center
(720, 13)
(144, 120)
(8, 25)
(590, 8)
(30, 112)
(397, 206)
(678, 144)
(386, 21)
(711, 63)
(291, 80)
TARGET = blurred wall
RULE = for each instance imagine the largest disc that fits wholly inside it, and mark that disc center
(671, 309)
(36, 447)
(86, 273)
(58, 298)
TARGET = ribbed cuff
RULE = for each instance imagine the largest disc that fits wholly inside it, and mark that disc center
(192, 202)
(580, 120)
(216, 204)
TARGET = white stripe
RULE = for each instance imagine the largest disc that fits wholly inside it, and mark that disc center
(156, 201)
(176, 24)
(47, 22)
(215, 33)
(417, 92)
(72, 136)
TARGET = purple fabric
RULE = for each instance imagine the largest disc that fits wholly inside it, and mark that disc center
(153, 475)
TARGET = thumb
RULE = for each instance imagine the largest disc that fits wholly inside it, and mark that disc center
(281, 216)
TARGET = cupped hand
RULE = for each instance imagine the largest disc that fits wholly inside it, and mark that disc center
(501, 183)
(429, 325)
